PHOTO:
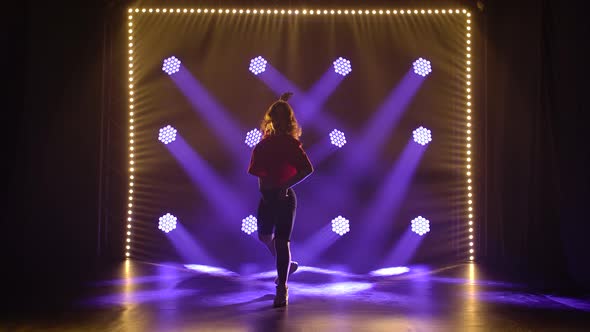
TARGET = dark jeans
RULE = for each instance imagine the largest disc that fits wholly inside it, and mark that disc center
(276, 211)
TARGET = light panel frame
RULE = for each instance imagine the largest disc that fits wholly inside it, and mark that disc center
(136, 11)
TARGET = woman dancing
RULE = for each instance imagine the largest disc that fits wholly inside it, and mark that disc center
(280, 163)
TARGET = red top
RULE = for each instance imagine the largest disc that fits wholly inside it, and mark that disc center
(277, 158)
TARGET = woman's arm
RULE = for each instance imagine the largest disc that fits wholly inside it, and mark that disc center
(298, 177)
(254, 167)
(302, 165)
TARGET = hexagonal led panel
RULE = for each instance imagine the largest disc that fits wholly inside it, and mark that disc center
(171, 65)
(167, 223)
(167, 134)
(422, 67)
(253, 137)
(422, 135)
(249, 224)
(340, 225)
(337, 138)
(258, 65)
(342, 66)
(420, 225)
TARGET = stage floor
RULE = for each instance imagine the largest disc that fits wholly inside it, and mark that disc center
(139, 296)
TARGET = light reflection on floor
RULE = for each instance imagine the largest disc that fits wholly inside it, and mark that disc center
(407, 298)
(219, 286)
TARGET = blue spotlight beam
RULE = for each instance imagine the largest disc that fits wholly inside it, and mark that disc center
(404, 249)
(380, 214)
(227, 131)
(317, 244)
(318, 94)
(320, 151)
(325, 86)
(383, 121)
(278, 83)
(214, 189)
(306, 104)
(188, 248)
(393, 190)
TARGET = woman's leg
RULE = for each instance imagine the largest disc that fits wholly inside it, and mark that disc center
(269, 242)
(266, 219)
(284, 227)
(283, 252)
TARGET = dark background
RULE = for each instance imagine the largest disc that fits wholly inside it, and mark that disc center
(533, 183)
